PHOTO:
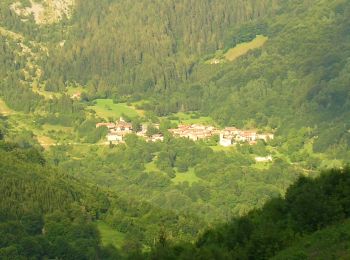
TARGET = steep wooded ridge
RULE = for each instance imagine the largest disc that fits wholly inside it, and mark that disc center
(312, 222)
(148, 44)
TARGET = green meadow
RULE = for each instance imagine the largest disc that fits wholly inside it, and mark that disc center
(243, 48)
(105, 108)
(238, 51)
(110, 236)
(188, 176)
(4, 109)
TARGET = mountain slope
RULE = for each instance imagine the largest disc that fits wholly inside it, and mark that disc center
(313, 214)
(330, 243)
(148, 52)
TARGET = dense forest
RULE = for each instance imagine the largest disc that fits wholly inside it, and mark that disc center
(67, 194)
(47, 213)
(148, 52)
(119, 50)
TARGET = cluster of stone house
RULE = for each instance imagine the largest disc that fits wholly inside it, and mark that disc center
(231, 135)
(228, 136)
(152, 138)
(118, 130)
(194, 132)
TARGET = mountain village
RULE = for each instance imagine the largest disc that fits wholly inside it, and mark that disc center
(229, 136)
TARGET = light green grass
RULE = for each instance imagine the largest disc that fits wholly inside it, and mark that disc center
(48, 127)
(220, 148)
(151, 167)
(72, 90)
(110, 236)
(243, 48)
(239, 50)
(188, 176)
(39, 89)
(105, 108)
(4, 109)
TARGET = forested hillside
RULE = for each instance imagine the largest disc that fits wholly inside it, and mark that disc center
(119, 49)
(127, 48)
(289, 228)
(47, 214)
(258, 66)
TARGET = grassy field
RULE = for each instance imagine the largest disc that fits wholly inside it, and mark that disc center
(72, 90)
(238, 51)
(151, 167)
(245, 47)
(105, 108)
(39, 89)
(219, 148)
(4, 109)
(110, 236)
(188, 176)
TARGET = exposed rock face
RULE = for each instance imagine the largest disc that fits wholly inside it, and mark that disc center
(46, 11)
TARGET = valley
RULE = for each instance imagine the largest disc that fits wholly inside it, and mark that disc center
(216, 129)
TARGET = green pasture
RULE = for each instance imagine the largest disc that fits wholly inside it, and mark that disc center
(105, 108)
(110, 236)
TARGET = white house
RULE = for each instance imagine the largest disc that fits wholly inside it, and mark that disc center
(263, 159)
(114, 138)
(225, 141)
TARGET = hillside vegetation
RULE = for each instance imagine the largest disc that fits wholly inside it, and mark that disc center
(45, 213)
(274, 66)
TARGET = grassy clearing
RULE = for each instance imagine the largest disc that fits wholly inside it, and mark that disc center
(110, 236)
(72, 90)
(219, 148)
(57, 128)
(151, 167)
(4, 109)
(188, 176)
(46, 94)
(238, 51)
(45, 141)
(105, 108)
(244, 48)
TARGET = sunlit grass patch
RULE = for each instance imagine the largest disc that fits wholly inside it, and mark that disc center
(105, 108)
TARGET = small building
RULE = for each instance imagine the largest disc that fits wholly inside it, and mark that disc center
(114, 138)
(263, 159)
(76, 96)
(108, 125)
(156, 138)
(226, 141)
(122, 125)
